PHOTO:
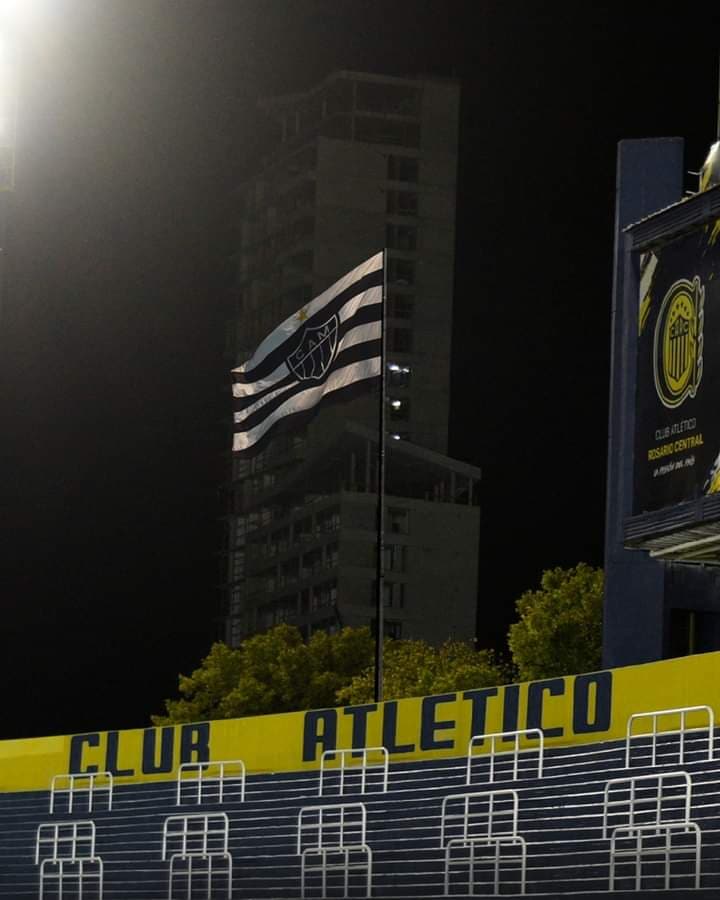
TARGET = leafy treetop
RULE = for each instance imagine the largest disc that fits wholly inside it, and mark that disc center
(560, 626)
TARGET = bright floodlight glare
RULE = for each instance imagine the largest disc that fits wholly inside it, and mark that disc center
(394, 367)
(22, 13)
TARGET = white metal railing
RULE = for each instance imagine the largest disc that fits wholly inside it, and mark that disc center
(649, 812)
(653, 800)
(655, 715)
(191, 876)
(79, 875)
(515, 751)
(90, 783)
(200, 779)
(362, 767)
(70, 860)
(487, 822)
(336, 836)
(197, 847)
(66, 840)
(196, 834)
(660, 851)
(481, 814)
(332, 826)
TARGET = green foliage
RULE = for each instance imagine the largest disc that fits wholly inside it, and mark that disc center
(560, 627)
(559, 633)
(414, 669)
(277, 672)
(270, 673)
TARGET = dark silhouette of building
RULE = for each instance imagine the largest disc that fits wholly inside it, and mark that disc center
(358, 163)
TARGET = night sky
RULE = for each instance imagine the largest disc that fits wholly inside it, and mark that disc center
(137, 121)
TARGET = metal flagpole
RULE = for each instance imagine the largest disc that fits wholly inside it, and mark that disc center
(380, 576)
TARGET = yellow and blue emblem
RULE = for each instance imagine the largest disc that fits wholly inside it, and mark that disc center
(678, 345)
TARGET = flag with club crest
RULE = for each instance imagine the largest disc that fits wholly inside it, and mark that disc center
(332, 344)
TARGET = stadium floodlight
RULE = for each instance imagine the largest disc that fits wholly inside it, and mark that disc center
(8, 115)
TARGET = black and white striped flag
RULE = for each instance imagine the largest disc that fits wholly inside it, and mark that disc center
(331, 344)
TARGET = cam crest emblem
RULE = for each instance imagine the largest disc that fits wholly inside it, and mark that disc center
(315, 352)
(678, 345)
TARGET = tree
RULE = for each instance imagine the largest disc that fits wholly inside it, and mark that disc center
(277, 672)
(413, 668)
(271, 672)
(560, 627)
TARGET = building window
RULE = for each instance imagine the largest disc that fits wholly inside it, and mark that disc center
(392, 628)
(403, 168)
(338, 127)
(402, 203)
(379, 97)
(393, 594)
(692, 631)
(398, 520)
(399, 409)
(329, 521)
(324, 595)
(395, 559)
(332, 556)
(302, 530)
(399, 340)
(682, 632)
(376, 130)
(400, 305)
(401, 237)
(398, 375)
(312, 563)
(401, 272)
(238, 565)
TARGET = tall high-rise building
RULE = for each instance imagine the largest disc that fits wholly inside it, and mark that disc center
(359, 163)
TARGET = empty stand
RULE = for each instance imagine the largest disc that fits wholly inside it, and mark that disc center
(665, 743)
(83, 790)
(148, 849)
(355, 770)
(647, 819)
(534, 756)
(335, 859)
(211, 782)
(479, 833)
(69, 868)
(197, 848)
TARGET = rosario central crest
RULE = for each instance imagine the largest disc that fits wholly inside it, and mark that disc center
(315, 351)
(678, 351)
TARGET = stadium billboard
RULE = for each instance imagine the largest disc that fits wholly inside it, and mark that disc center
(677, 428)
(572, 710)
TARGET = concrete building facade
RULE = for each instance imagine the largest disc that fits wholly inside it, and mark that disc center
(358, 163)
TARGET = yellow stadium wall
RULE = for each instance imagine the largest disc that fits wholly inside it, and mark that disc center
(576, 709)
